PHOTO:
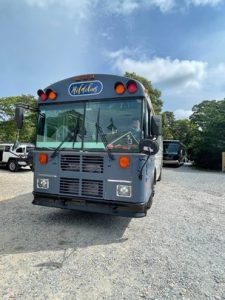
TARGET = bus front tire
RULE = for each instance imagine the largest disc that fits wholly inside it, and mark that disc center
(13, 166)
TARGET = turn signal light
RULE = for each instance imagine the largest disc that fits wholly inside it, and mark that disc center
(51, 94)
(124, 162)
(43, 158)
(119, 88)
(132, 87)
(42, 95)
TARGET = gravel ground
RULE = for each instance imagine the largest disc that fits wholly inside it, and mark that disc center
(176, 252)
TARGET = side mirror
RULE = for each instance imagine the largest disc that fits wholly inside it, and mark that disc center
(148, 147)
(156, 125)
(19, 114)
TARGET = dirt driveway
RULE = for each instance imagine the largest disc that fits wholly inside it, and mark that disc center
(176, 252)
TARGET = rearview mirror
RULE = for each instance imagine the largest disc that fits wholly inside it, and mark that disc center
(148, 146)
(156, 125)
(19, 114)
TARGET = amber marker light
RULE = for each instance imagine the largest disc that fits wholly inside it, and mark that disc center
(51, 94)
(119, 88)
(124, 162)
(43, 158)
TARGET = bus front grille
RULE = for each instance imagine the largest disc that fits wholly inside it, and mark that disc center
(70, 162)
(69, 186)
(92, 164)
(83, 187)
(92, 188)
(82, 163)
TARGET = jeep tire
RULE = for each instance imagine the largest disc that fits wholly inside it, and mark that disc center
(13, 165)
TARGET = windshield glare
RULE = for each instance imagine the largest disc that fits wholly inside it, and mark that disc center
(114, 124)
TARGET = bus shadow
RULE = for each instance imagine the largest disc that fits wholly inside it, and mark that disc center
(28, 228)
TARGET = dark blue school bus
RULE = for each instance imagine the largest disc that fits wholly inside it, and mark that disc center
(174, 153)
(95, 147)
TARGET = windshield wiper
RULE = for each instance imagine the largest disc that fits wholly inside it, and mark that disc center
(104, 140)
(76, 131)
(72, 135)
(97, 125)
(60, 145)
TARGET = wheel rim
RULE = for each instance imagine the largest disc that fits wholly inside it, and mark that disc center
(12, 166)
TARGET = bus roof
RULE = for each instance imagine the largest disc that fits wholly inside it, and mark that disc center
(91, 87)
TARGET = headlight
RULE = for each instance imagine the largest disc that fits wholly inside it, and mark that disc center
(123, 190)
(43, 183)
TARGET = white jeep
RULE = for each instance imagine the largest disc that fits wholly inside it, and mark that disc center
(15, 156)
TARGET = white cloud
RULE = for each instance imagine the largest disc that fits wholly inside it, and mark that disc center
(205, 2)
(120, 7)
(181, 74)
(78, 8)
(182, 114)
(164, 5)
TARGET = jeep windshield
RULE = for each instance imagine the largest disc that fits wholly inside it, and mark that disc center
(91, 126)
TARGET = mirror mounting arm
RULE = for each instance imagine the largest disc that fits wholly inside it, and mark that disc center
(140, 171)
(28, 107)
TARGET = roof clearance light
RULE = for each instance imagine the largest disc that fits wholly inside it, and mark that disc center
(132, 87)
(119, 88)
(51, 94)
(124, 162)
(42, 95)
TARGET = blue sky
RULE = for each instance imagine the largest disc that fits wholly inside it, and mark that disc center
(179, 45)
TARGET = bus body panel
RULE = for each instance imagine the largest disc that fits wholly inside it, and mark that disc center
(107, 92)
(84, 185)
(86, 179)
(159, 159)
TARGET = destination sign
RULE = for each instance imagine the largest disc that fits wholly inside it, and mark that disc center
(86, 88)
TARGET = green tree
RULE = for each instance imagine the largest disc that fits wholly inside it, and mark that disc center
(7, 119)
(185, 131)
(168, 121)
(209, 142)
(153, 93)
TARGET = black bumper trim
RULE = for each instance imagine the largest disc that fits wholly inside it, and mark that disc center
(125, 209)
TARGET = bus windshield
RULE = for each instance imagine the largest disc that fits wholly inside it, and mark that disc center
(170, 148)
(113, 124)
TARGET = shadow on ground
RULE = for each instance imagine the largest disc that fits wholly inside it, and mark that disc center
(29, 228)
(4, 169)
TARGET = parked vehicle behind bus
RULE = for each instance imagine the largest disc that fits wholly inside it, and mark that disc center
(174, 153)
(96, 145)
(14, 156)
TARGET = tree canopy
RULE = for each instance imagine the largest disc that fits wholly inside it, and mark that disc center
(209, 141)
(7, 119)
